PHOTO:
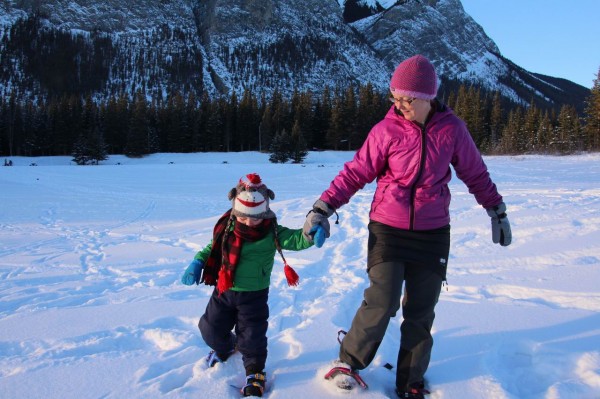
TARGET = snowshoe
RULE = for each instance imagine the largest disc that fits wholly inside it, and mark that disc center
(415, 391)
(344, 377)
(255, 385)
(213, 358)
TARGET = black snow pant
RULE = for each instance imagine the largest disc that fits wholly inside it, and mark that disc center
(382, 301)
(248, 313)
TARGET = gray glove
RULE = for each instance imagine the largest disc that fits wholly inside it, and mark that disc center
(315, 218)
(500, 226)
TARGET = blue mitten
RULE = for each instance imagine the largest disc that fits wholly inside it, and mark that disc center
(318, 235)
(193, 272)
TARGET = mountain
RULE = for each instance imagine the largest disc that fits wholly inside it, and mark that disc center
(223, 46)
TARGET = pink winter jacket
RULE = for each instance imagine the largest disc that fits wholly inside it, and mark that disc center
(412, 168)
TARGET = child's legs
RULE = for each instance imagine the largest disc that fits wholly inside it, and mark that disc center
(251, 329)
(218, 321)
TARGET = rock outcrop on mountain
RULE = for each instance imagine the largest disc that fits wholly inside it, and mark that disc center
(218, 47)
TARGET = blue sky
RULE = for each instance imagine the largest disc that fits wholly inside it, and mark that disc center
(552, 37)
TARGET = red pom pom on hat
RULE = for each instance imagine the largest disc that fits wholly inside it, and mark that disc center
(254, 178)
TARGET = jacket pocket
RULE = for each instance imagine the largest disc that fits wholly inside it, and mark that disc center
(380, 194)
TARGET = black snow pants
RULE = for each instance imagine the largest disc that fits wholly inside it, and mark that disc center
(248, 314)
(423, 282)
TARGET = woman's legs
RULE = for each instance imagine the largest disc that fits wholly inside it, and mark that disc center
(381, 302)
(423, 286)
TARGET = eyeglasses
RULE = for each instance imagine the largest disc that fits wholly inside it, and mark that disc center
(406, 101)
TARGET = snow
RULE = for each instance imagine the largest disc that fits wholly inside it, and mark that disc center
(91, 304)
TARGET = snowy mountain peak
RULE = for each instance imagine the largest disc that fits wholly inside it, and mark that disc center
(220, 47)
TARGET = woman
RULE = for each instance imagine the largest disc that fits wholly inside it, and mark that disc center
(409, 152)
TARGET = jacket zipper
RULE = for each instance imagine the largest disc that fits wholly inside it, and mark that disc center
(413, 189)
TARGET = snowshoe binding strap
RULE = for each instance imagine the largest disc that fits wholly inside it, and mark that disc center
(341, 335)
(417, 391)
(255, 385)
(213, 358)
(335, 371)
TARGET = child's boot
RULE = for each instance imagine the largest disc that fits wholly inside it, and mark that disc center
(255, 385)
(214, 357)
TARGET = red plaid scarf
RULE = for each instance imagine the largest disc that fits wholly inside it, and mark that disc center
(220, 266)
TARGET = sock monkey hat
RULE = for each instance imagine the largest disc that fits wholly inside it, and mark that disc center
(250, 198)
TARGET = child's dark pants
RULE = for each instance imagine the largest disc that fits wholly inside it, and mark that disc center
(248, 312)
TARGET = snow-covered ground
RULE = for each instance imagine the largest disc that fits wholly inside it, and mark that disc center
(91, 305)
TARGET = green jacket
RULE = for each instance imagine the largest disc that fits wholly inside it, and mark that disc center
(253, 271)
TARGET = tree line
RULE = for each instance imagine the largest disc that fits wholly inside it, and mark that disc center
(336, 119)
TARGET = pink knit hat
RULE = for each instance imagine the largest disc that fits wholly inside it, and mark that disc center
(415, 77)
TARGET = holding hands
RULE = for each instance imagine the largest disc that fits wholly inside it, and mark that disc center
(316, 227)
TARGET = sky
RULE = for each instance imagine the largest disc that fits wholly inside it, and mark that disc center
(552, 37)
(91, 303)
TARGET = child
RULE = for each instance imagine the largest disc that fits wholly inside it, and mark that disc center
(239, 261)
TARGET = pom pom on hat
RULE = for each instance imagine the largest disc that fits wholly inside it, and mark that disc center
(250, 198)
(415, 77)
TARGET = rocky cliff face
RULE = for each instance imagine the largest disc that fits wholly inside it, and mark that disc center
(265, 45)
(224, 46)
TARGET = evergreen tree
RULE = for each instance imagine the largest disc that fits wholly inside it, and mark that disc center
(544, 133)
(90, 148)
(298, 149)
(474, 116)
(34, 130)
(115, 116)
(176, 126)
(280, 148)
(509, 143)
(265, 129)
(204, 110)
(229, 124)
(591, 128)
(279, 107)
(568, 131)
(194, 119)
(368, 113)
(461, 104)
(334, 131)
(496, 121)
(12, 123)
(97, 146)
(321, 119)
(214, 125)
(530, 142)
(140, 137)
(248, 122)
(80, 151)
(303, 116)
(348, 120)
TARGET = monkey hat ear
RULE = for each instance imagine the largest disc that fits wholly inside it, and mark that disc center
(271, 194)
(250, 198)
(232, 193)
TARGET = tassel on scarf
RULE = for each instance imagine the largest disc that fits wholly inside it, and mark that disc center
(225, 280)
(291, 275)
